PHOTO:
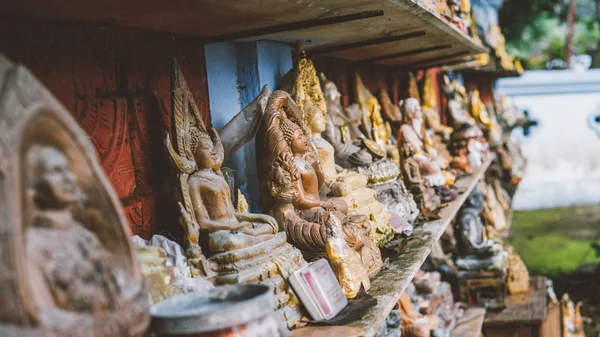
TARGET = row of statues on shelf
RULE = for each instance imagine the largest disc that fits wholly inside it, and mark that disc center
(482, 29)
(336, 182)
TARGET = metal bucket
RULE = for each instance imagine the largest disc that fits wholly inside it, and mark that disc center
(228, 311)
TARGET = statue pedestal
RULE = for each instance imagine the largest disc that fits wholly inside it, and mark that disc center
(270, 263)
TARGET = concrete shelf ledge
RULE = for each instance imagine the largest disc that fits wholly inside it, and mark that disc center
(396, 275)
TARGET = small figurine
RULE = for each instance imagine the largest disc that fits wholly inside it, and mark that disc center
(290, 183)
(68, 267)
(475, 250)
(221, 243)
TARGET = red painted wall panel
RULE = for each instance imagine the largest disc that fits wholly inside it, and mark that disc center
(117, 83)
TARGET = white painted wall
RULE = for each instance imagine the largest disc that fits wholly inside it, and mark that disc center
(563, 151)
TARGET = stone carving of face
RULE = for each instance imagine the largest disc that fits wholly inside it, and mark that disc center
(299, 143)
(205, 154)
(53, 183)
(317, 125)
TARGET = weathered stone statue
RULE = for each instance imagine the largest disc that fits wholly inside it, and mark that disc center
(303, 85)
(475, 250)
(373, 125)
(68, 267)
(290, 180)
(382, 174)
(241, 247)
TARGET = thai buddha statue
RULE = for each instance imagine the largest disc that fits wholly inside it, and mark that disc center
(430, 164)
(373, 125)
(68, 267)
(425, 196)
(382, 174)
(485, 120)
(476, 251)
(237, 247)
(304, 87)
(290, 182)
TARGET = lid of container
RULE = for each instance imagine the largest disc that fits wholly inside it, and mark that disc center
(222, 308)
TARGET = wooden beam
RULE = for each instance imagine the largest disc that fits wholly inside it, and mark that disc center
(407, 53)
(373, 42)
(288, 27)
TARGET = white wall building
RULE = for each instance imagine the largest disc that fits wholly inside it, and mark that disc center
(563, 150)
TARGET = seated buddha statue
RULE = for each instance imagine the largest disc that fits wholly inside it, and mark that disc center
(304, 87)
(290, 183)
(373, 125)
(240, 247)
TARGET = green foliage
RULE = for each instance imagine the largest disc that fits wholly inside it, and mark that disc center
(536, 30)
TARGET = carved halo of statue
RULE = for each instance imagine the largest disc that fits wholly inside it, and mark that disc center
(229, 246)
(67, 266)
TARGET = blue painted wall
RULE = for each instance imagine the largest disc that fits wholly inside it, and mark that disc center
(236, 72)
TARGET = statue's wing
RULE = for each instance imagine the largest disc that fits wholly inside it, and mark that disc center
(242, 128)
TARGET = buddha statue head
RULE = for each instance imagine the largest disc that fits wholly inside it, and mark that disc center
(53, 186)
(206, 147)
(294, 136)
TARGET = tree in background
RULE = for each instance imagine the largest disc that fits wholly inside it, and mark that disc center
(536, 30)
